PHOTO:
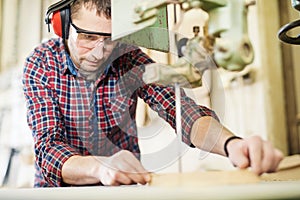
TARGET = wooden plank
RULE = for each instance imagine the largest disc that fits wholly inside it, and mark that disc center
(207, 178)
(288, 170)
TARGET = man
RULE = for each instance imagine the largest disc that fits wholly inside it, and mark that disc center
(81, 93)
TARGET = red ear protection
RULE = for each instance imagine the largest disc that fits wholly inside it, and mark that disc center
(57, 23)
(60, 19)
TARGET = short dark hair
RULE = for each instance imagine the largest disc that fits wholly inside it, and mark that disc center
(102, 6)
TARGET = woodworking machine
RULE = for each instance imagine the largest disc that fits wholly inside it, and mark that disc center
(225, 42)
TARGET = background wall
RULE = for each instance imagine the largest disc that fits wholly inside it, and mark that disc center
(22, 28)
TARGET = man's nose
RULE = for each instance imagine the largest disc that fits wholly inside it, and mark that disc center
(98, 51)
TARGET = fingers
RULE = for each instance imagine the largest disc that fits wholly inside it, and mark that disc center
(115, 178)
(139, 174)
(132, 167)
(272, 158)
(255, 153)
(124, 168)
(278, 158)
(263, 156)
(135, 176)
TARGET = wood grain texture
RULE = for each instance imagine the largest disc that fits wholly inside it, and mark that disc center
(288, 170)
(207, 178)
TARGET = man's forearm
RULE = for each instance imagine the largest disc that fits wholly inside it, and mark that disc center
(209, 135)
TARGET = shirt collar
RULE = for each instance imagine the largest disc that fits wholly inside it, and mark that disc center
(70, 65)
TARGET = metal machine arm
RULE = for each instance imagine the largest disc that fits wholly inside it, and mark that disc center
(226, 38)
(227, 25)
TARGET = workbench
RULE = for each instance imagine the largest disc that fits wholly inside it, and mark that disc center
(231, 184)
(266, 190)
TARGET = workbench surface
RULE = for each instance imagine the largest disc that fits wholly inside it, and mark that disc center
(262, 190)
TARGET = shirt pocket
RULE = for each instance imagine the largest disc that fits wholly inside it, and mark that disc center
(122, 111)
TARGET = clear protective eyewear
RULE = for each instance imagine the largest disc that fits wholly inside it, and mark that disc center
(90, 39)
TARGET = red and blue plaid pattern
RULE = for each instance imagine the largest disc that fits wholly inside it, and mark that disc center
(71, 116)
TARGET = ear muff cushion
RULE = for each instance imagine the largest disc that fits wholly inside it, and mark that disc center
(56, 22)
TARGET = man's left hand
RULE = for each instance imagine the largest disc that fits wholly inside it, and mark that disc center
(256, 153)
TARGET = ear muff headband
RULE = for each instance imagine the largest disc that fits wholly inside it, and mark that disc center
(60, 19)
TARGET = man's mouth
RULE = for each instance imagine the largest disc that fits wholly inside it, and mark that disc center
(92, 63)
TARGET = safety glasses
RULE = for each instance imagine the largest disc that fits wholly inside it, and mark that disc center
(90, 39)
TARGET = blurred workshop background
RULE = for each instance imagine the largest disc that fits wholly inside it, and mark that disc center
(263, 99)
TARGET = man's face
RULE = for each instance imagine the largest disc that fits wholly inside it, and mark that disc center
(89, 41)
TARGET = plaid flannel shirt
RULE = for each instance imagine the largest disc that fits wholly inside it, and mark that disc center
(71, 116)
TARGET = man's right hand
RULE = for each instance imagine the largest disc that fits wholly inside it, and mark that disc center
(122, 168)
